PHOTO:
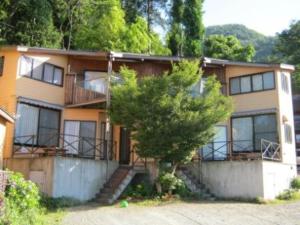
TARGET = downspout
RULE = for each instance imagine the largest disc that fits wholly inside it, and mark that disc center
(108, 127)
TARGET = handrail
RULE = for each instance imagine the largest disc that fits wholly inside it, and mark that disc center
(65, 145)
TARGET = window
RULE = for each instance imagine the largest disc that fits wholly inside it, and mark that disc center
(198, 88)
(1, 65)
(247, 132)
(217, 149)
(288, 134)
(284, 83)
(38, 70)
(39, 122)
(80, 137)
(252, 83)
(95, 81)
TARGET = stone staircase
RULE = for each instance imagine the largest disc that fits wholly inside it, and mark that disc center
(117, 183)
(194, 185)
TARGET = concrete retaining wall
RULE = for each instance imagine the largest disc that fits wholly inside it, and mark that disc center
(69, 177)
(245, 179)
(80, 178)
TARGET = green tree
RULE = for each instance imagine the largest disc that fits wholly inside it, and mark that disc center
(193, 28)
(176, 34)
(166, 121)
(287, 50)
(103, 27)
(227, 47)
(67, 16)
(29, 22)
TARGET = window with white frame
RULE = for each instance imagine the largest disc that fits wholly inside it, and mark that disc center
(284, 83)
(38, 70)
(95, 81)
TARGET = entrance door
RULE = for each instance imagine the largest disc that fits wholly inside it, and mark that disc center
(124, 153)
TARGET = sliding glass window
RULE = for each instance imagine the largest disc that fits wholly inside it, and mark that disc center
(252, 83)
(248, 131)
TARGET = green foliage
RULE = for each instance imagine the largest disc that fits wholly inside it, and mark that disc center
(289, 195)
(193, 27)
(169, 182)
(263, 44)
(58, 203)
(168, 123)
(138, 191)
(21, 202)
(227, 47)
(29, 22)
(295, 184)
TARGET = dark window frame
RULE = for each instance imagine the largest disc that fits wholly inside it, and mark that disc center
(43, 73)
(251, 83)
(39, 126)
(253, 131)
(2, 59)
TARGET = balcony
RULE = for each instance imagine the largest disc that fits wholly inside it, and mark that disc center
(84, 92)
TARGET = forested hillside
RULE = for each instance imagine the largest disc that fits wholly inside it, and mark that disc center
(262, 44)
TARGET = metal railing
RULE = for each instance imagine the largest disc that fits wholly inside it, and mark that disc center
(64, 145)
(240, 150)
(270, 150)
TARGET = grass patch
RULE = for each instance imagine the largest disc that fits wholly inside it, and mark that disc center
(53, 217)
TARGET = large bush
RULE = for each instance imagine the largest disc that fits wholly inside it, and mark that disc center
(21, 202)
(295, 184)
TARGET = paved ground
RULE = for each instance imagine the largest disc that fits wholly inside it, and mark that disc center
(211, 213)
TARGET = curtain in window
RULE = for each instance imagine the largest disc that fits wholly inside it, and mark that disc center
(26, 124)
(26, 66)
(37, 70)
(71, 139)
(48, 73)
(242, 134)
(57, 79)
(48, 127)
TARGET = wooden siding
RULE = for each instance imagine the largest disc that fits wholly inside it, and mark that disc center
(75, 95)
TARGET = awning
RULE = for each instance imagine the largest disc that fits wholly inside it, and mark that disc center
(40, 103)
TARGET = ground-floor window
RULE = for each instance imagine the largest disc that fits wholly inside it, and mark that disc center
(37, 125)
(248, 131)
(80, 138)
(217, 148)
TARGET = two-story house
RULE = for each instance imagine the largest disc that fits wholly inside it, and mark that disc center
(60, 139)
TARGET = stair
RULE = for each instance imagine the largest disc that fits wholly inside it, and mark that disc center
(117, 183)
(194, 185)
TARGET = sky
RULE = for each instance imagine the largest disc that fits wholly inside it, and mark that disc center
(265, 16)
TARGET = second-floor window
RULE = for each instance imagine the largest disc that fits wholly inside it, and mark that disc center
(42, 71)
(252, 83)
(284, 83)
(1, 65)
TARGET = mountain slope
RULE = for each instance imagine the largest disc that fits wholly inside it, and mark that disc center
(263, 44)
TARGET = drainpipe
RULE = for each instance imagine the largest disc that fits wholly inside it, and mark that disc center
(108, 98)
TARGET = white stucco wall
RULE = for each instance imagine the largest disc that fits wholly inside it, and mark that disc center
(277, 177)
(245, 179)
(80, 178)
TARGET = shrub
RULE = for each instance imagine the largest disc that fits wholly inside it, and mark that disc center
(169, 182)
(289, 195)
(295, 184)
(21, 202)
(142, 190)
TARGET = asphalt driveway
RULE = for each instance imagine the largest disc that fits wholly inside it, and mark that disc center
(210, 213)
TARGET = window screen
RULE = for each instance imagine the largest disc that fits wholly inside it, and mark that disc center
(242, 134)
(235, 86)
(257, 82)
(245, 84)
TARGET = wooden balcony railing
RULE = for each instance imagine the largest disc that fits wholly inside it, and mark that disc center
(76, 95)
